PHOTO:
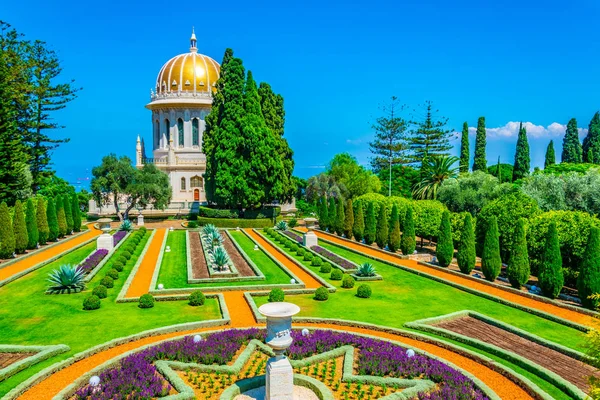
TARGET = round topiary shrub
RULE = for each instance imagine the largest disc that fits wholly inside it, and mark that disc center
(108, 282)
(122, 259)
(348, 282)
(146, 301)
(325, 268)
(363, 291)
(316, 262)
(308, 256)
(276, 295)
(336, 275)
(321, 294)
(288, 244)
(118, 266)
(91, 302)
(113, 273)
(143, 229)
(126, 254)
(294, 248)
(197, 298)
(100, 291)
(300, 251)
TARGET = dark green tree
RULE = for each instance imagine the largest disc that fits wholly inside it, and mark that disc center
(550, 158)
(33, 235)
(52, 220)
(591, 156)
(518, 270)
(551, 279)
(490, 259)
(431, 137)
(68, 213)
(76, 213)
(358, 230)
(323, 218)
(382, 230)
(404, 177)
(370, 224)
(42, 221)
(349, 220)
(463, 165)
(408, 242)
(588, 282)
(506, 171)
(572, 151)
(592, 141)
(444, 250)
(20, 228)
(522, 159)
(480, 160)
(466, 247)
(7, 235)
(394, 240)
(332, 215)
(340, 217)
(61, 217)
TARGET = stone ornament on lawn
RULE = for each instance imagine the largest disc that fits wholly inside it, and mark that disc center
(105, 241)
(310, 238)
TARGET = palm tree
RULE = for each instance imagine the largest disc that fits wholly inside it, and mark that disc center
(434, 171)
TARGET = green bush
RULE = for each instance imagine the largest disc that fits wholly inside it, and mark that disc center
(192, 224)
(197, 298)
(363, 291)
(321, 294)
(234, 223)
(358, 229)
(370, 224)
(551, 279)
(466, 247)
(20, 228)
(407, 241)
(308, 256)
(108, 282)
(336, 275)
(300, 252)
(490, 259)
(146, 301)
(588, 282)
(316, 262)
(292, 223)
(325, 268)
(427, 215)
(394, 242)
(382, 230)
(348, 282)
(91, 302)
(7, 235)
(122, 259)
(444, 250)
(518, 263)
(143, 229)
(100, 291)
(118, 265)
(113, 273)
(276, 295)
(126, 254)
(294, 248)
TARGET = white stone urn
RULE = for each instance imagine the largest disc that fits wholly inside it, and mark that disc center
(310, 238)
(105, 241)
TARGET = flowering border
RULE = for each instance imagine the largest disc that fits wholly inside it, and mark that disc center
(42, 353)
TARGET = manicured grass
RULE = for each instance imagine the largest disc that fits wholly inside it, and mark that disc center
(30, 317)
(173, 268)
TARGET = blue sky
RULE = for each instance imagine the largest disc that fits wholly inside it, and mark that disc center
(334, 63)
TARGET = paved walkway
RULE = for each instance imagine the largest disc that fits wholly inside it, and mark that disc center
(143, 278)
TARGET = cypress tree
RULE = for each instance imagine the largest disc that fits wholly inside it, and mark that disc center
(444, 250)
(591, 143)
(551, 279)
(20, 228)
(33, 235)
(323, 219)
(480, 161)
(499, 171)
(68, 213)
(572, 150)
(522, 159)
(408, 243)
(358, 230)
(76, 213)
(370, 224)
(331, 215)
(463, 165)
(60, 217)
(588, 282)
(591, 156)
(7, 236)
(518, 263)
(466, 247)
(490, 259)
(394, 242)
(550, 155)
(340, 217)
(52, 220)
(42, 221)
(383, 229)
(349, 222)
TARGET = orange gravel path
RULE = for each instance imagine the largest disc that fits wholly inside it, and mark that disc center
(239, 310)
(522, 300)
(141, 281)
(46, 254)
(309, 281)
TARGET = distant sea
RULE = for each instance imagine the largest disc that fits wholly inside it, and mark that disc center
(77, 175)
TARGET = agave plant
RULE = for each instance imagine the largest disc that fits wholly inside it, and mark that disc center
(126, 226)
(366, 269)
(282, 226)
(209, 229)
(220, 258)
(215, 239)
(66, 279)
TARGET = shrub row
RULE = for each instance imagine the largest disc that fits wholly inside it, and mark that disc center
(235, 223)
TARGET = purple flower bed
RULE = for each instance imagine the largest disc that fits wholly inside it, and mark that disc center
(93, 260)
(117, 237)
(136, 377)
(294, 236)
(342, 262)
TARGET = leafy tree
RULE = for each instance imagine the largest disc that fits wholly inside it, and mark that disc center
(506, 171)
(7, 236)
(68, 213)
(466, 247)
(61, 217)
(332, 215)
(352, 179)
(349, 221)
(20, 228)
(518, 262)
(370, 224)
(444, 250)
(301, 184)
(323, 218)
(394, 239)
(322, 185)
(358, 230)
(404, 177)
(33, 235)
(382, 230)
(522, 159)
(463, 165)
(407, 241)
(490, 258)
(427, 216)
(588, 282)
(52, 220)
(551, 278)
(480, 160)
(434, 171)
(592, 141)
(431, 137)
(572, 151)
(76, 213)
(42, 221)
(340, 217)
(590, 156)
(550, 158)
(389, 146)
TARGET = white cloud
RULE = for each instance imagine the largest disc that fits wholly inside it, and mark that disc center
(511, 130)
(354, 141)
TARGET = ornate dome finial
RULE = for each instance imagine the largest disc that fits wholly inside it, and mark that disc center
(193, 48)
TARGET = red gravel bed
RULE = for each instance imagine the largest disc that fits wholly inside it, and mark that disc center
(199, 268)
(7, 359)
(238, 260)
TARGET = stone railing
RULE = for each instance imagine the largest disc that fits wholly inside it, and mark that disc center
(188, 161)
(155, 161)
(190, 94)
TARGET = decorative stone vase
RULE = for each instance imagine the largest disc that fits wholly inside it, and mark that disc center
(310, 238)
(105, 241)
(140, 220)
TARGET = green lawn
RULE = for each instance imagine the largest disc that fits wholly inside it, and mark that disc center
(30, 317)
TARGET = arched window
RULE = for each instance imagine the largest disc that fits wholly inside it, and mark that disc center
(195, 138)
(180, 131)
(195, 182)
(168, 130)
(182, 183)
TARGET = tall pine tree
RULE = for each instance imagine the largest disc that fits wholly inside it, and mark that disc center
(550, 276)
(480, 161)
(7, 235)
(340, 217)
(550, 158)
(349, 221)
(588, 282)
(444, 250)
(490, 258)
(466, 247)
(42, 221)
(61, 217)
(20, 228)
(463, 165)
(431, 137)
(52, 220)
(370, 224)
(591, 143)
(76, 213)
(68, 213)
(572, 151)
(358, 230)
(518, 263)
(33, 235)
(522, 159)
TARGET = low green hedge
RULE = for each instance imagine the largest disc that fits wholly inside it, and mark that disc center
(263, 213)
(234, 223)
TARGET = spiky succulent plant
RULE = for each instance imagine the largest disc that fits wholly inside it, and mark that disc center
(126, 226)
(219, 258)
(366, 269)
(209, 229)
(66, 278)
(282, 226)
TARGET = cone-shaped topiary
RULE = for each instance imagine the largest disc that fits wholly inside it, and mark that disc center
(31, 222)
(551, 279)
(7, 235)
(358, 230)
(76, 213)
(323, 213)
(588, 282)
(490, 259)
(370, 224)
(331, 215)
(42, 221)
(466, 247)
(394, 241)
(20, 228)
(340, 217)
(68, 213)
(52, 220)
(444, 250)
(518, 264)
(349, 221)
(407, 242)
(60, 217)
(383, 229)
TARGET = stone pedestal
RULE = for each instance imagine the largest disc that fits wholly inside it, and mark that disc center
(105, 241)
(280, 379)
(310, 239)
(140, 220)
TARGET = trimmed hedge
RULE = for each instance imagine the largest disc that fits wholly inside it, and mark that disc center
(363, 291)
(336, 275)
(348, 282)
(108, 282)
(100, 291)
(234, 223)
(326, 268)
(321, 294)
(91, 302)
(146, 301)
(276, 295)
(197, 298)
